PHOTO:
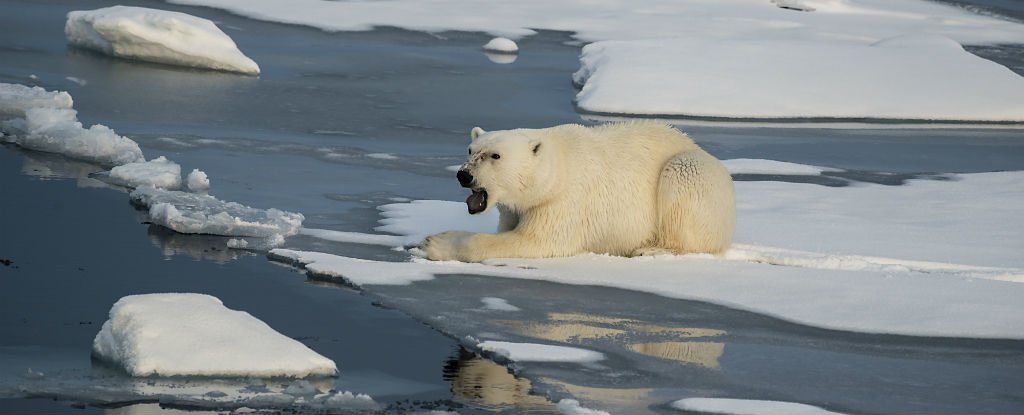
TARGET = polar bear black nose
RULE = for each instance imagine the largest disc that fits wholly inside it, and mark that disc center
(465, 179)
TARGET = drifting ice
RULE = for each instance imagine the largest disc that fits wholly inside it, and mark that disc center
(203, 214)
(159, 172)
(157, 36)
(194, 334)
(16, 99)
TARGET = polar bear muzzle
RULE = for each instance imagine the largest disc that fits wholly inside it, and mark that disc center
(477, 201)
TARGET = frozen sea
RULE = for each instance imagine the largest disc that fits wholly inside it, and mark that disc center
(338, 124)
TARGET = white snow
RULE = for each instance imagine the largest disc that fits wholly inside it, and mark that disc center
(195, 334)
(501, 45)
(761, 166)
(893, 78)
(15, 99)
(533, 352)
(932, 257)
(159, 36)
(198, 182)
(747, 407)
(572, 407)
(382, 156)
(498, 304)
(204, 214)
(159, 172)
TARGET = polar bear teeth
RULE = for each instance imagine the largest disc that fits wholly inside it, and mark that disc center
(477, 201)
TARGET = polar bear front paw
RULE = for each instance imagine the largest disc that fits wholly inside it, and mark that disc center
(446, 246)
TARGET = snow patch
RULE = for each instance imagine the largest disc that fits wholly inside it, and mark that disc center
(354, 237)
(204, 214)
(747, 407)
(533, 352)
(196, 335)
(157, 36)
(159, 172)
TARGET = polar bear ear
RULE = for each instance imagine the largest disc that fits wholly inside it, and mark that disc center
(477, 131)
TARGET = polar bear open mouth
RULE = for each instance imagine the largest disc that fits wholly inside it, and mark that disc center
(477, 201)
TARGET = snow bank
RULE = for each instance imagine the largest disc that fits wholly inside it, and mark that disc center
(867, 257)
(58, 131)
(501, 45)
(532, 352)
(895, 78)
(195, 335)
(16, 99)
(203, 214)
(159, 172)
(747, 407)
(157, 36)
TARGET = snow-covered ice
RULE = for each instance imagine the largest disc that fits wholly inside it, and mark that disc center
(866, 257)
(44, 121)
(159, 36)
(198, 182)
(15, 99)
(159, 172)
(773, 167)
(498, 304)
(572, 407)
(58, 131)
(893, 78)
(747, 407)
(501, 45)
(204, 214)
(533, 352)
(184, 334)
(877, 59)
(354, 237)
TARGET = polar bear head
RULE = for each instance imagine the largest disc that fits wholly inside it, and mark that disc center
(510, 167)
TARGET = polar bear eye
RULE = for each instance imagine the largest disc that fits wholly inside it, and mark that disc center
(495, 156)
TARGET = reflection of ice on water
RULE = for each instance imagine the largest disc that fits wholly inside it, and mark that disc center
(51, 166)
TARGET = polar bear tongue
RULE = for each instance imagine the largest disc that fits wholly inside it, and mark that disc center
(477, 201)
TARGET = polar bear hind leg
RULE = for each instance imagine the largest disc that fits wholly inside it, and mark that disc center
(696, 206)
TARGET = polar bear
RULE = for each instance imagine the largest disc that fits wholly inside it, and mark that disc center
(634, 188)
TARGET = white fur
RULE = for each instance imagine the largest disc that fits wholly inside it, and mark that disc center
(623, 189)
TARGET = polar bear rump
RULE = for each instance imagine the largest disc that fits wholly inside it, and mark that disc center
(624, 189)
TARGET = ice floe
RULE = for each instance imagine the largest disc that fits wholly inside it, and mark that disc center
(15, 99)
(204, 214)
(533, 352)
(867, 257)
(159, 172)
(58, 131)
(894, 78)
(739, 58)
(498, 304)
(159, 36)
(572, 407)
(44, 121)
(196, 335)
(198, 182)
(501, 45)
(773, 167)
(747, 407)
